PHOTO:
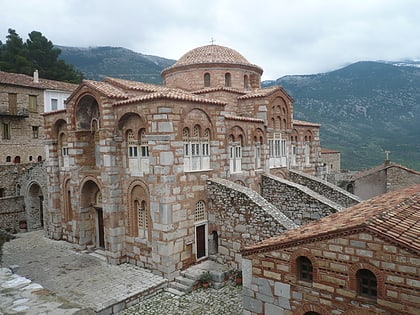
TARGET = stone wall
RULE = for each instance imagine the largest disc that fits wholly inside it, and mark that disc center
(12, 210)
(332, 192)
(24, 187)
(241, 217)
(297, 202)
(400, 177)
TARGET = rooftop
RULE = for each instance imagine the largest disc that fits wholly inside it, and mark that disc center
(28, 81)
(394, 217)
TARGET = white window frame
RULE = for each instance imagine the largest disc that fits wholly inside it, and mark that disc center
(277, 151)
(235, 157)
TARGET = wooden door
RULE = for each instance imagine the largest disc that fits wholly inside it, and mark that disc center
(200, 232)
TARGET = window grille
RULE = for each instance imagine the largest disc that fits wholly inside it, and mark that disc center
(200, 211)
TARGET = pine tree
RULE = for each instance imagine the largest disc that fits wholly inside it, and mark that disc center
(38, 53)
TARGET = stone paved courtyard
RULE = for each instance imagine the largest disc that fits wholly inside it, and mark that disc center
(42, 276)
(225, 301)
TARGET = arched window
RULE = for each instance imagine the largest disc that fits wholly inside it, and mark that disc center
(277, 151)
(235, 154)
(16, 160)
(228, 79)
(206, 79)
(138, 153)
(246, 82)
(304, 269)
(257, 153)
(39, 158)
(196, 149)
(9, 159)
(366, 284)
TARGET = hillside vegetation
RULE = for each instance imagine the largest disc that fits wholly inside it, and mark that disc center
(364, 109)
(98, 62)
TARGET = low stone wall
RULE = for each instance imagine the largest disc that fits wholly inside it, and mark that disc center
(241, 217)
(297, 202)
(399, 177)
(324, 188)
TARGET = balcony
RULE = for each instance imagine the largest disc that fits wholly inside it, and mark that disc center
(20, 113)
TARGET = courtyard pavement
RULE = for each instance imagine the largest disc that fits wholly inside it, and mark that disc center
(42, 276)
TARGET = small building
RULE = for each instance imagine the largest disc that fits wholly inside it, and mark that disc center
(23, 99)
(23, 180)
(381, 179)
(362, 260)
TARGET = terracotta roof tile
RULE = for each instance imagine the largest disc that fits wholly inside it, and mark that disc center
(133, 85)
(394, 216)
(220, 88)
(262, 92)
(174, 94)
(242, 118)
(305, 123)
(378, 168)
(28, 81)
(328, 151)
(106, 89)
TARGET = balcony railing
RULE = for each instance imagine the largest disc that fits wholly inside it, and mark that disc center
(22, 112)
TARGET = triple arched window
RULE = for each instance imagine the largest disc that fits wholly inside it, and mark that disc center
(196, 148)
(138, 153)
(235, 154)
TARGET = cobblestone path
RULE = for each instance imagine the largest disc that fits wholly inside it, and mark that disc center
(225, 301)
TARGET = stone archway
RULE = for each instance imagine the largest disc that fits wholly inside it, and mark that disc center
(34, 204)
(91, 216)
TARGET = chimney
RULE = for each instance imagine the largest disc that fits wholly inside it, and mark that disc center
(387, 160)
(36, 76)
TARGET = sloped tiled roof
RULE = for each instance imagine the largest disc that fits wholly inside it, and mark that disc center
(379, 168)
(220, 88)
(106, 89)
(173, 94)
(133, 85)
(262, 92)
(394, 217)
(243, 118)
(28, 81)
(305, 123)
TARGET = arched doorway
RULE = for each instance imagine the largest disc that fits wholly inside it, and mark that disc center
(34, 206)
(91, 216)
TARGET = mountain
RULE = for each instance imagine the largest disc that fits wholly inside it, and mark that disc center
(97, 62)
(364, 109)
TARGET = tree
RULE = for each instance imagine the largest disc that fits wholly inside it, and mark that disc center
(13, 54)
(38, 53)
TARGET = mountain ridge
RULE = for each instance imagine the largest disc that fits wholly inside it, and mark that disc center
(364, 108)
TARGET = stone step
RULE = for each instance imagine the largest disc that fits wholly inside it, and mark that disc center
(193, 274)
(186, 281)
(180, 287)
(175, 291)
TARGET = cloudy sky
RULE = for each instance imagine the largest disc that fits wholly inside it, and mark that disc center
(282, 36)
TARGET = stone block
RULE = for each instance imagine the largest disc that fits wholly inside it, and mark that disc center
(282, 289)
(252, 305)
(271, 309)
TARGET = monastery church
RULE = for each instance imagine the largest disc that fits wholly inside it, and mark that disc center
(164, 176)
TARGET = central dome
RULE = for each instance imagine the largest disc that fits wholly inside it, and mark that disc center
(212, 66)
(211, 54)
